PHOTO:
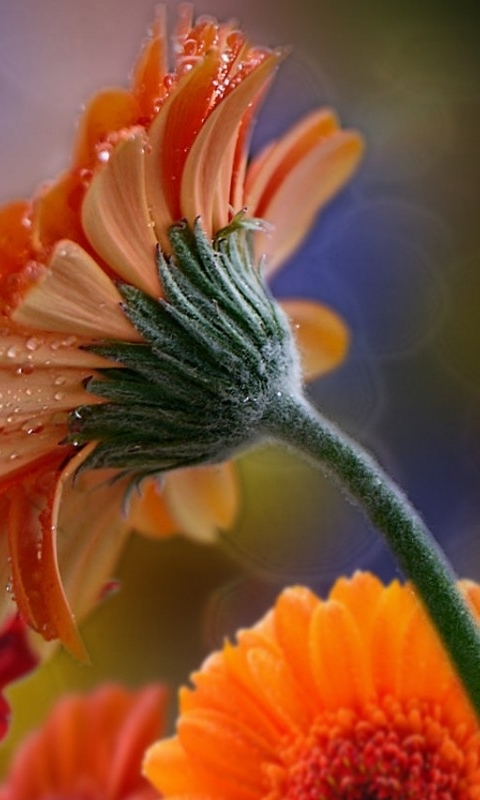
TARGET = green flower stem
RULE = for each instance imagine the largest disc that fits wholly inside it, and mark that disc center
(292, 421)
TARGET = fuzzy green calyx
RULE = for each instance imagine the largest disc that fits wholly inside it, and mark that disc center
(217, 350)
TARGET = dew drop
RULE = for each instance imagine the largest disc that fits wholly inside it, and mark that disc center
(25, 369)
(69, 341)
(104, 153)
(32, 343)
(58, 396)
(60, 380)
(12, 351)
(13, 456)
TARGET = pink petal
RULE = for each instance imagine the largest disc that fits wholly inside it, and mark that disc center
(322, 336)
(116, 219)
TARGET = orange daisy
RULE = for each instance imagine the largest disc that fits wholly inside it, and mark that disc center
(342, 699)
(174, 146)
(90, 748)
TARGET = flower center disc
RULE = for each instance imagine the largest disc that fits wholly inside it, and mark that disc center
(388, 753)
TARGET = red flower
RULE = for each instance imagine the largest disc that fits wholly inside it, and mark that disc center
(89, 748)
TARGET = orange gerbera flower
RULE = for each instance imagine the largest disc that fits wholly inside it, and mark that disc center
(89, 748)
(173, 146)
(348, 698)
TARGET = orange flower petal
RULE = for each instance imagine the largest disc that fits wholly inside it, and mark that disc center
(211, 744)
(206, 180)
(75, 296)
(116, 218)
(148, 76)
(277, 686)
(361, 596)
(15, 245)
(396, 603)
(109, 111)
(56, 213)
(338, 659)
(306, 187)
(168, 759)
(202, 499)
(322, 336)
(294, 610)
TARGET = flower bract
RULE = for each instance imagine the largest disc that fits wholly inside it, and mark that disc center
(342, 699)
(172, 147)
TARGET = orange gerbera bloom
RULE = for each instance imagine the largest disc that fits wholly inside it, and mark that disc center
(173, 146)
(348, 698)
(89, 748)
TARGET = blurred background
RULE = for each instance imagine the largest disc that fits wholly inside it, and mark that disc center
(397, 254)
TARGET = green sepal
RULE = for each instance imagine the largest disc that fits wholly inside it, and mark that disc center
(216, 347)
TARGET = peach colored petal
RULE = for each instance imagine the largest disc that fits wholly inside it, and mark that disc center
(75, 296)
(38, 589)
(171, 136)
(147, 511)
(41, 391)
(267, 170)
(116, 219)
(109, 111)
(306, 187)
(25, 351)
(202, 499)
(322, 336)
(206, 180)
(91, 531)
(19, 448)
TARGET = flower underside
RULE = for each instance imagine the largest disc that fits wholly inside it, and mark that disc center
(216, 349)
